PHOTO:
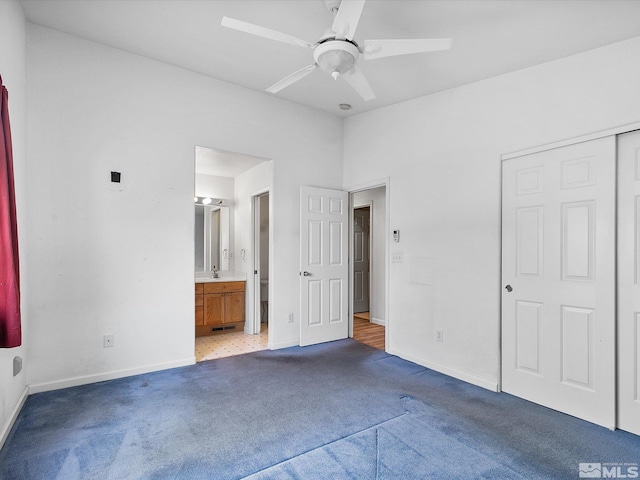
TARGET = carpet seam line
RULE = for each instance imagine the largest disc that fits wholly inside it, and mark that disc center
(459, 442)
(329, 443)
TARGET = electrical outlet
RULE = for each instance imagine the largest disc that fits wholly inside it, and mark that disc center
(439, 336)
(291, 317)
(396, 257)
(107, 340)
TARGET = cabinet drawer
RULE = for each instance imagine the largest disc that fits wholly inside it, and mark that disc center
(222, 287)
(199, 288)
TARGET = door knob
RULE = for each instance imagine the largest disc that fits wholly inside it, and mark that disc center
(508, 288)
(306, 274)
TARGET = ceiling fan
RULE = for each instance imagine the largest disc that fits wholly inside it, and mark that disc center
(336, 52)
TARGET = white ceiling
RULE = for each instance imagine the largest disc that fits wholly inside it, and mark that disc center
(491, 37)
(224, 164)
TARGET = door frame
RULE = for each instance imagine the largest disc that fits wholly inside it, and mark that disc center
(351, 256)
(253, 300)
(383, 182)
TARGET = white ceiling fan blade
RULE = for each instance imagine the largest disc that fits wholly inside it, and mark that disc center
(347, 18)
(357, 80)
(389, 48)
(263, 32)
(294, 77)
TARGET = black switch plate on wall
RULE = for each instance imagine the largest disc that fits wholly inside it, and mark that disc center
(115, 177)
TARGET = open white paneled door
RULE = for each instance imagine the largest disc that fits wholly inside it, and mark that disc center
(324, 266)
(629, 282)
(558, 301)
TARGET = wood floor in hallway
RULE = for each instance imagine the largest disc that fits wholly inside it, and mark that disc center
(235, 343)
(366, 332)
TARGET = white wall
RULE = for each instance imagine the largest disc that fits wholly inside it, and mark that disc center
(106, 260)
(13, 68)
(442, 154)
(378, 232)
(251, 182)
(214, 186)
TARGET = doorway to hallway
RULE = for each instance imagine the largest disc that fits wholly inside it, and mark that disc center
(366, 332)
(368, 266)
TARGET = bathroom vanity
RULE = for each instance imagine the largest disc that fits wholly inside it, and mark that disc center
(220, 306)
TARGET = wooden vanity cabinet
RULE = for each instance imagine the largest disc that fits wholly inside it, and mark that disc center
(222, 307)
(199, 304)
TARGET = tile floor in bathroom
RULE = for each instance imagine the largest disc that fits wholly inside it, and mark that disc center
(228, 344)
(236, 343)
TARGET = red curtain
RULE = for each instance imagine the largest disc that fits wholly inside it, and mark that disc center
(10, 325)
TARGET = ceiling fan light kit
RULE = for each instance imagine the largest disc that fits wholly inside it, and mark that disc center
(336, 57)
(335, 52)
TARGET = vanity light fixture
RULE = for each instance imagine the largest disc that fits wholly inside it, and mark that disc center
(208, 200)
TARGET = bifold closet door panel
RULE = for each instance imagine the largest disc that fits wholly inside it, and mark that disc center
(629, 282)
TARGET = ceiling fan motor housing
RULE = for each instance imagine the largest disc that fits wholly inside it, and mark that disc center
(336, 57)
(332, 5)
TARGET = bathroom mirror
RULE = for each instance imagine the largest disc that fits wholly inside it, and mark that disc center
(212, 238)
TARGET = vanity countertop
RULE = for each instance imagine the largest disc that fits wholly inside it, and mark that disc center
(219, 279)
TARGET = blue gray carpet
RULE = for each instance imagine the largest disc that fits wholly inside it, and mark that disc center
(340, 410)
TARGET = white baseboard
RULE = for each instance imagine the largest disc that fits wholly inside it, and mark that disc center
(452, 372)
(377, 321)
(101, 377)
(6, 428)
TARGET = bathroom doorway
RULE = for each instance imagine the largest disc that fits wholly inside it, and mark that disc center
(261, 249)
(224, 283)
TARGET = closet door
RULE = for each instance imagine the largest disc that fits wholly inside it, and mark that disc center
(629, 282)
(558, 298)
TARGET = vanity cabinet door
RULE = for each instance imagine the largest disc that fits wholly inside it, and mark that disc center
(234, 307)
(213, 309)
(218, 304)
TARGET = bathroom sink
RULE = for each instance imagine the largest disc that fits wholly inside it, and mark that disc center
(219, 279)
